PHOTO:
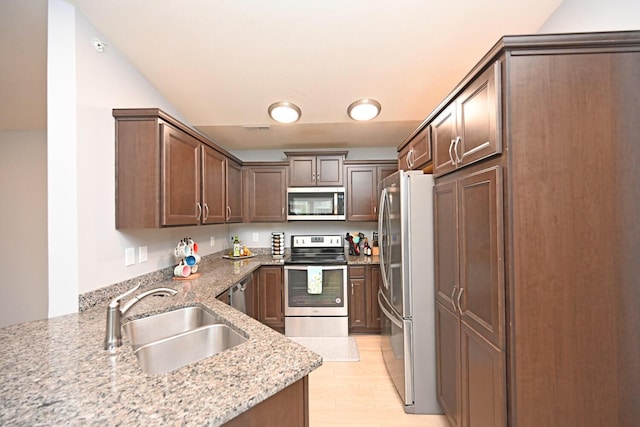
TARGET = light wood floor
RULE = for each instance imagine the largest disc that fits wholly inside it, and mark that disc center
(360, 394)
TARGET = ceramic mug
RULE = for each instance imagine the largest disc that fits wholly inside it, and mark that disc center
(182, 270)
(179, 251)
(193, 245)
(194, 268)
(190, 260)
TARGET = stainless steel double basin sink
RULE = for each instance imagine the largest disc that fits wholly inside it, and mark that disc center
(168, 341)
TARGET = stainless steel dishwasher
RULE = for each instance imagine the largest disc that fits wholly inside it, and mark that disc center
(236, 295)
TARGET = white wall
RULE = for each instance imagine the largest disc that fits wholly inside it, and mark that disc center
(23, 226)
(84, 86)
(593, 15)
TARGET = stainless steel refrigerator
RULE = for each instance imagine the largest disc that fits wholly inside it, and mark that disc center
(406, 294)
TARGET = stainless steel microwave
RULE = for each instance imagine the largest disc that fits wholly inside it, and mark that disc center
(316, 203)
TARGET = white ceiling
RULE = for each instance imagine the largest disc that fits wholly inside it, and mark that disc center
(222, 63)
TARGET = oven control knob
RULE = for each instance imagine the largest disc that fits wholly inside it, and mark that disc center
(338, 300)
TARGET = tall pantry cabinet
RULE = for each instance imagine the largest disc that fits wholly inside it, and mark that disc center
(538, 239)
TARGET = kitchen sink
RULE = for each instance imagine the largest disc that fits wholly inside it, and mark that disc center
(167, 341)
(180, 350)
(159, 326)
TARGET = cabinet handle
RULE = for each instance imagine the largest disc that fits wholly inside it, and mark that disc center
(351, 288)
(228, 212)
(455, 149)
(375, 209)
(459, 295)
(282, 211)
(453, 301)
(199, 211)
(453, 141)
(206, 212)
(408, 158)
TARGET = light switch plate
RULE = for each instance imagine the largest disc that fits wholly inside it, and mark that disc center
(129, 256)
(213, 241)
(143, 254)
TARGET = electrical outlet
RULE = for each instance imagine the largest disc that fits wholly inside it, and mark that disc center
(129, 256)
(143, 254)
(256, 237)
(213, 241)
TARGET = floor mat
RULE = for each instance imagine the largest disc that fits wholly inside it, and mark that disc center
(332, 349)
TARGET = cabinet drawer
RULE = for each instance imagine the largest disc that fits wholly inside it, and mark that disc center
(357, 271)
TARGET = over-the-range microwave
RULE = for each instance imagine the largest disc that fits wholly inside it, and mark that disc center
(315, 203)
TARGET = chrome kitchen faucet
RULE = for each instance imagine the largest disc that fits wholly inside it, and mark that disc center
(113, 338)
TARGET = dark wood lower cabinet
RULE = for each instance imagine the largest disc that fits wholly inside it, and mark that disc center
(364, 315)
(288, 408)
(482, 377)
(448, 363)
(271, 297)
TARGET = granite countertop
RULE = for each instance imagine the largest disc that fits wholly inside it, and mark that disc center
(55, 371)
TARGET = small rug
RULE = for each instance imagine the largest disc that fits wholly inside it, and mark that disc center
(332, 349)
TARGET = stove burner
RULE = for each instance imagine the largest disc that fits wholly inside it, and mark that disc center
(317, 250)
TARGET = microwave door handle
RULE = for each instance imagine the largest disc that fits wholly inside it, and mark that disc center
(335, 203)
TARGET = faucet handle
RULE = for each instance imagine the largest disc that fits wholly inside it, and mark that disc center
(116, 301)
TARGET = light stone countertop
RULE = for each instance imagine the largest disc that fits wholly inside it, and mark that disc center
(55, 371)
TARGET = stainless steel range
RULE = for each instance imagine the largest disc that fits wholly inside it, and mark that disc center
(315, 287)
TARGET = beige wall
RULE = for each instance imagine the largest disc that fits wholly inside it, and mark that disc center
(23, 226)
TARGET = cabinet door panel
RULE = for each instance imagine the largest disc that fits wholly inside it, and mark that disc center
(180, 177)
(448, 363)
(302, 171)
(329, 171)
(483, 381)
(267, 188)
(383, 172)
(446, 242)
(270, 297)
(251, 297)
(357, 305)
(234, 191)
(213, 186)
(478, 117)
(373, 314)
(481, 253)
(443, 131)
(361, 197)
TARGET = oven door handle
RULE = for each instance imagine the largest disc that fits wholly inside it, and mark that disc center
(388, 314)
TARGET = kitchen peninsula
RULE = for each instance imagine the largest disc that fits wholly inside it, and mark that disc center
(55, 371)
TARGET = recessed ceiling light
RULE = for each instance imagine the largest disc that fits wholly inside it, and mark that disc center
(284, 112)
(364, 109)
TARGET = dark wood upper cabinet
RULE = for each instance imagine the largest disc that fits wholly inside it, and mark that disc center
(417, 153)
(234, 191)
(181, 203)
(266, 192)
(167, 174)
(469, 128)
(214, 169)
(315, 169)
(362, 187)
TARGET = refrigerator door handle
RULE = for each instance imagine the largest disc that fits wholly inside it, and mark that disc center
(382, 304)
(383, 237)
